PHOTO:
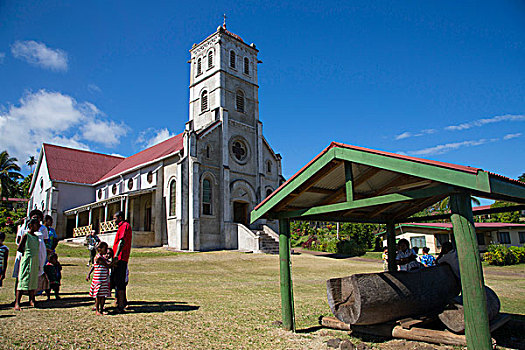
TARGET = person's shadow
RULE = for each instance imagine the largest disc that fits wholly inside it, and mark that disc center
(140, 307)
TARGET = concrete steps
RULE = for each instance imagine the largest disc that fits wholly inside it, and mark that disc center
(267, 244)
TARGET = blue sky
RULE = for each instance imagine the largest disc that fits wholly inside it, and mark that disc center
(442, 80)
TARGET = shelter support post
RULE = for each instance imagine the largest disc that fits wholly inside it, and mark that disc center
(391, 244)
(472, 283)
(287, 305)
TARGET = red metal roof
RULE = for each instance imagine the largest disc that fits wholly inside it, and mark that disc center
(14, 199)
(74, 165)
(160, 150)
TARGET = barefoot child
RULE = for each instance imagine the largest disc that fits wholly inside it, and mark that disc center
(29, 264)
(53, 271)
(100, 283)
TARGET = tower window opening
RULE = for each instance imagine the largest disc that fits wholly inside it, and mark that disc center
(210, 59)
(246, 65)
(206, 197)
(199, 66)
(232, 59)
(269, 167)
(239, 101)
(204, 101)
(208, 152)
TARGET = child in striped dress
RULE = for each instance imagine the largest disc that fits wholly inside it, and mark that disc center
(100, 282)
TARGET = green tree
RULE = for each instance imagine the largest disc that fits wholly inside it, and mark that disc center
(510, 217)
(24, 186)
(9, 175)
(521, 177)
(31, 162)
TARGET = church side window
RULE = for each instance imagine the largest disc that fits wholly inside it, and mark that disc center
(173, 198)
(210, 59)
(199, 66)
(232, 59)
(204, 101)
(239, 101)
(246, 65)
(269, 167)
(206, 197)
(208, 152)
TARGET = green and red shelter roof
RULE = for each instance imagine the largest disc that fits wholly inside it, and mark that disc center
(356, 184)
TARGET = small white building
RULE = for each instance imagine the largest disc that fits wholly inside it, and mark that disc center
(433, 235)
(193, 191)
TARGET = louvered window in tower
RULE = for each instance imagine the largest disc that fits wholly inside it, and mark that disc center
(204, 101)
(246, 65)
(199, 66)
(210, 59)
(239, 101)
(232, 59)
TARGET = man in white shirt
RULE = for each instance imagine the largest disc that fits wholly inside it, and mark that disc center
(406, 258)
(448, 255)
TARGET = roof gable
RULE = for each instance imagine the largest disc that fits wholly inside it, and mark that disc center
(78, 166)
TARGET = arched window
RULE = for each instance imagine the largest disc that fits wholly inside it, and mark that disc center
(204, 101)
(206, 197)
(199, 66)
(269, 192)
(173, 198)
(269, 167)
(210, 59)
(232, 59)
(239, 101)
(246, 65)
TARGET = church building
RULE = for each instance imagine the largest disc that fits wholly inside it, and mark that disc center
(191, 192)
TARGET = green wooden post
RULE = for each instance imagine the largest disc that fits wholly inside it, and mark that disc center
(391, 244)
(349, 188)
(287, 306)
(472, 283)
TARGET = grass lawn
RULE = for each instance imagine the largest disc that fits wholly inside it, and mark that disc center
(214, 300)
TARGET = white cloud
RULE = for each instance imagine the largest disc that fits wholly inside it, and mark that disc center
(512, 136)
(484, 121)
(52, 117)
(94, 88)
(39, 54)
(408, 134)
(150, 137)
(2, 57)
(440, 149)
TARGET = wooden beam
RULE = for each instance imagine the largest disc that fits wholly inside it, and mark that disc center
(349, 187)
(391, 244)
(308, 184)
(369, 202)
(474, 212)
(341, 191)
(287, 304)
(470, 180)
(424, 204)
(320, 190)
(472, 283)
(381, 210)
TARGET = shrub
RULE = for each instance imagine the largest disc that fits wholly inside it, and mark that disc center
(500, 255)
(519, 253)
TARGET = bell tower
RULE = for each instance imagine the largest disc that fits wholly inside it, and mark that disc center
(223, 75)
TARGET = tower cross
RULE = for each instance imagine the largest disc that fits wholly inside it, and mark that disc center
(224, 22)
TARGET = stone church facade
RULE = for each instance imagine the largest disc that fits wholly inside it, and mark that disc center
(193, 191)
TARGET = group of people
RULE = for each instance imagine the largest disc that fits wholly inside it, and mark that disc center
(407, 259)
(37, 269)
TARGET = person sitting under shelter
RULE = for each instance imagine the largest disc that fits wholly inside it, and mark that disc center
(406, 258)
(426, 259)
(449, 255)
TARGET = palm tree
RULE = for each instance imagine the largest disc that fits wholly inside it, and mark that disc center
(9, 173)
(31, 162)
(444, 204)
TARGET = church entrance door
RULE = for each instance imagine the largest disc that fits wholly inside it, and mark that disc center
(240, 213)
